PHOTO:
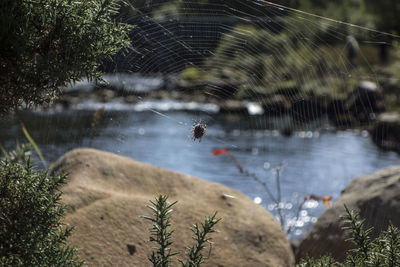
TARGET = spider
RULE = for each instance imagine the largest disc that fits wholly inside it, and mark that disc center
(198, 130)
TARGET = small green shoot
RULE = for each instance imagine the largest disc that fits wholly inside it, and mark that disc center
(201, 236)
(160, 234)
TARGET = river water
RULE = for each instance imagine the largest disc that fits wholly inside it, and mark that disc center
(316, 158)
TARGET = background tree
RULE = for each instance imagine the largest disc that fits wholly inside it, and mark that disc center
(46, 44)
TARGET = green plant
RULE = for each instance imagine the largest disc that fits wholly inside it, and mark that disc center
(46, 44)
(21, 153)
(325, 261)
(384, 251)
(31, 228)
(159, 231)
(195, 257)
(161, 235)
(360, 236)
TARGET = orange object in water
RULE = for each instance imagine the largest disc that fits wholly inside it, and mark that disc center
(325, 199)
(220, 151)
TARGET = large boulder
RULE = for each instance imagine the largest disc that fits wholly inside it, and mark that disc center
(107, 193)
(375, 196)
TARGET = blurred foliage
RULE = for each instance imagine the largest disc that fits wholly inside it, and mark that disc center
(192, 74)
(258, 47)
(394, 68)
(193, 8)
(386, 14)
(167, 10)
(308, 51)
(350, 11)
(45, 44)
(272, 60)
(31, 231)
(367, 13)
(392, 85)
(380, 15)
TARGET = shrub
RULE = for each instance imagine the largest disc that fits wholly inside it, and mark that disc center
(45, 44)
(31, 231)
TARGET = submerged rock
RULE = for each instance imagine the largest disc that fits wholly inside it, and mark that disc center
(375, 196)
(107, 193)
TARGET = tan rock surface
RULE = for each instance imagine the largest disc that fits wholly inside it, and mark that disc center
(375, 196)
(107, 193)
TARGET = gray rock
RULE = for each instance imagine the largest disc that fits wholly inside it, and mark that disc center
(375, 196)
(386, 131)
(365, 101)
(360, 107)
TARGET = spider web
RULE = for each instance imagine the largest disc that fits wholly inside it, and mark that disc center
(273, 57)
(273, 85)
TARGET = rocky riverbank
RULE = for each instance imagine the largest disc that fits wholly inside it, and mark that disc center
(358, 108)
(361, 108)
